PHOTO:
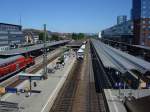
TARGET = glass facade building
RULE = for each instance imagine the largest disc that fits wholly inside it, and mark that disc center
(9, 27)
(141, 9)
(10, 34)
(120, 32)
(121, 19)
(145, 8)
(136, 9)
(141, 19)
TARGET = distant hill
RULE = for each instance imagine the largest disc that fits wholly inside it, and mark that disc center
(34, 31)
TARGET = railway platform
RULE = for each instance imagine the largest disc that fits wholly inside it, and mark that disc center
(33, 69)
(116, 98)
(42, 102)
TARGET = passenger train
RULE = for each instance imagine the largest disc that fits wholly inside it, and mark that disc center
(14, 64)
(80, 52)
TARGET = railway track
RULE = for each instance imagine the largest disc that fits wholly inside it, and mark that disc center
(101, 76)
(65, 98)
(78, 94)
(102, 81)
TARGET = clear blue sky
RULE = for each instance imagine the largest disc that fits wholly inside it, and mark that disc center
(64, 15)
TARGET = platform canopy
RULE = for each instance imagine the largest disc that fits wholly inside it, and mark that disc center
(142, 47)
(24, 50)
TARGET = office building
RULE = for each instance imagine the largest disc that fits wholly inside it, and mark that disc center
(120, 32)
(121, 19)
(10, 35)
(9, 27)
(141, 21)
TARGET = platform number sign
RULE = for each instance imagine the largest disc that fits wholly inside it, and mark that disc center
(11, 90)
(119, 85)
(148, 85)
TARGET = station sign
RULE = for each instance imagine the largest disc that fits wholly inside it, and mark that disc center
(36, 78)
(11, 90)
(23, 77)
(30, 77)
(119, 85)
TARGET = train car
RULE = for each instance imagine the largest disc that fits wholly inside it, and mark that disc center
(80, 54)
(84, 42)
(83, 47)
(14, 64)
(29, 61)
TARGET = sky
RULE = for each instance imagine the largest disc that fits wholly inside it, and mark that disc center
(87, 16)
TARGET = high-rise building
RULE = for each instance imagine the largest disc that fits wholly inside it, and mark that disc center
(141, 21)
(121, 19)
(122, 32)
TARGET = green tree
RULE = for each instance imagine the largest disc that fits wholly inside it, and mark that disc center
(78, 36)
(41, 36)
(74, 36)
(55, 37)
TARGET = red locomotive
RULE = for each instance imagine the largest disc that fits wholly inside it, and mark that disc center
(14, 64)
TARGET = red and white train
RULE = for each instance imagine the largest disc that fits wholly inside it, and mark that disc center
(14, 64)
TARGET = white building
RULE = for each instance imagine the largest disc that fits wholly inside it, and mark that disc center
(4, 48)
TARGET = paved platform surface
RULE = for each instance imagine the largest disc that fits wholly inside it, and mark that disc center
(115, 101)
(41, 102)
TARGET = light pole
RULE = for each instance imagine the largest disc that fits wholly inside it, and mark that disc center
(44, 55)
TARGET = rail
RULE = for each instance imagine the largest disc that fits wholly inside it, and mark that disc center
(100, 80)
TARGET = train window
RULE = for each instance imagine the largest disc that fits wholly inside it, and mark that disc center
(2, 65)
(12, 62)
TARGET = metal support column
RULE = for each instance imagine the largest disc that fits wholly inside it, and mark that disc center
(45, 55)
(30, 85)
